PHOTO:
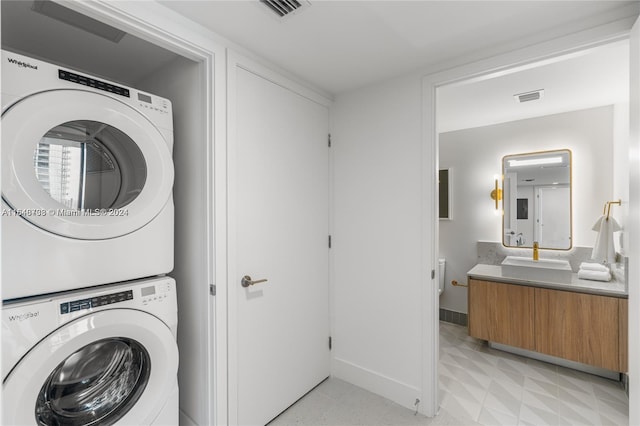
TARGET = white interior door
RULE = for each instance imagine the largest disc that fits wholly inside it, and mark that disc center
(282, 236)
(552, 224)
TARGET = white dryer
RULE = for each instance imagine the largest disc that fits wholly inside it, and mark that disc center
(87, 178)
(92, 357)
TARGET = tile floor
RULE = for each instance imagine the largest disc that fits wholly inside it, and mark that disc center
(478, 385)
(492, 387)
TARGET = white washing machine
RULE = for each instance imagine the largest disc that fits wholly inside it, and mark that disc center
(87, 178)
(103, 356)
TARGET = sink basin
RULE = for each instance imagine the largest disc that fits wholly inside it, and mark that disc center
(548, 270)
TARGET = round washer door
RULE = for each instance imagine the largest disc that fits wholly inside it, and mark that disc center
(83, 165)
(116, 366)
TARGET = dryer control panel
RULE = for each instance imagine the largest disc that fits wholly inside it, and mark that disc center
(94, 302)
(92, 82)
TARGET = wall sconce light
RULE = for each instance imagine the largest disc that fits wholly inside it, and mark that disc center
(496, 194)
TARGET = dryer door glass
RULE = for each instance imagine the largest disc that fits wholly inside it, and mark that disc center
(97, 384)
(88, 165)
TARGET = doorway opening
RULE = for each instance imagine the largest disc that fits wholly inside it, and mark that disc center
(480, 119)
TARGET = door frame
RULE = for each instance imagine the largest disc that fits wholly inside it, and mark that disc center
(156, 24)
(634, 222)
(236, 61)
(514, 61)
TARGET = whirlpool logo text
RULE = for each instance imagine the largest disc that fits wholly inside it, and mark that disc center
(22, 64)
(25, 316)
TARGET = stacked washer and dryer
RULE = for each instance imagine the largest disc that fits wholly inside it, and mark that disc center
(89, 319)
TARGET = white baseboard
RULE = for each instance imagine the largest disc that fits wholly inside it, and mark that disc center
(396, 391)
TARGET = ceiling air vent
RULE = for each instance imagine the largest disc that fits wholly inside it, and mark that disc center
(283, 8)
(529, 96)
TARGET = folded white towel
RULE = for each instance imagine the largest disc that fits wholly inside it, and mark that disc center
(585, 274)
(592, 266)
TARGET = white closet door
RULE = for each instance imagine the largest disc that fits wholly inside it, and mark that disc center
(282, 230)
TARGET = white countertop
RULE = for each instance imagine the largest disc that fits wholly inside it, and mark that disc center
(494, 273)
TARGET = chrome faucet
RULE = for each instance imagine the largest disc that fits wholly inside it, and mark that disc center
(535, 250)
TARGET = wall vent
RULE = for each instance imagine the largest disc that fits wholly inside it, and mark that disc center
(283, 8)
(529, 96)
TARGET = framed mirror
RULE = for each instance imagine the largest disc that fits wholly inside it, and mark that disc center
(536, 201)
(444, 194)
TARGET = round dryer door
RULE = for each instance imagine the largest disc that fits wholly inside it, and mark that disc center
(112, 367)
(83, 165)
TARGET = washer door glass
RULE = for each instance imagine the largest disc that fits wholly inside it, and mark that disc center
(89, 165)
(97, 384)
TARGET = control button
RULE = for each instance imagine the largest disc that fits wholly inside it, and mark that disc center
(64, 308)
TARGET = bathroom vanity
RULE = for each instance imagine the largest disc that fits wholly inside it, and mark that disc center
(580, 321)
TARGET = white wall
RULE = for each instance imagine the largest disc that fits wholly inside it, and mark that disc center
(476, 155)
(376, 254)
(621, 174)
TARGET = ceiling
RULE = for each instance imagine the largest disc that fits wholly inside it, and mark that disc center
(592, 78)
(339, 46)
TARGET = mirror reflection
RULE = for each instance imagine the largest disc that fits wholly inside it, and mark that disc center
(537, 200)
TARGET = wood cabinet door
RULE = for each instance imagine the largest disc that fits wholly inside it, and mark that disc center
(479, 318)
(623, 333)
(502, 313)
(579, 327)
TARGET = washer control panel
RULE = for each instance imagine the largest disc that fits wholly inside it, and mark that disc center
(155, 293)
(94, 302)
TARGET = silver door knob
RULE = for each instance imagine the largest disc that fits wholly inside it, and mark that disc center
(247, 281)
